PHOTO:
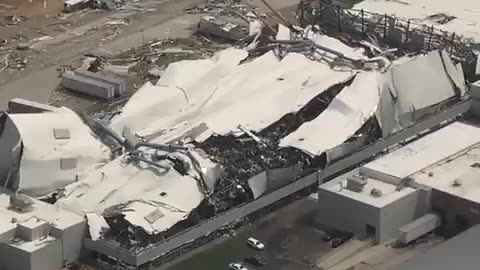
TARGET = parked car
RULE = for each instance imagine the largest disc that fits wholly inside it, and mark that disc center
(255, 260)
(340, 239)
(327, 238)
(254, 243)
(236, 266)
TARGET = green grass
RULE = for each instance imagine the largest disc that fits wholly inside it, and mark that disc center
(217, 257)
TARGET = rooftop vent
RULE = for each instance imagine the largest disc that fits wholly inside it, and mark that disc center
(356, 183)
(377, 193)
(456, 183)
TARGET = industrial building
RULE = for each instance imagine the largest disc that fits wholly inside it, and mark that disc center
(37, 236)
(169, 171)
(459, 252)
(433, 176)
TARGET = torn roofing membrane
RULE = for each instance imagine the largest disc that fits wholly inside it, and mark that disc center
(397, 97)
(135, 190)
(412, 87)
(97, 225)
(199, 98)
(253, 94)
(348, 111)
(51, 160)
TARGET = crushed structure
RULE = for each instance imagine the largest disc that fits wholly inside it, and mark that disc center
(216, 139)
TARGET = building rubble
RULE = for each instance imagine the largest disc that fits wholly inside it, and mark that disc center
(212, 134)
(266, 146)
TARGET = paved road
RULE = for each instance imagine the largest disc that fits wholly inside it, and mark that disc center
(290, 239)
(37, 82)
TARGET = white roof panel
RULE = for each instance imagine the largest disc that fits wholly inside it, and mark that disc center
(426, 151)
(463, 168)
(41, 170)
(467, 13)
(253, 94)
(347, 113)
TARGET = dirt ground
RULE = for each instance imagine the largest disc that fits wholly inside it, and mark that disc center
(31, 7)
(60, 40)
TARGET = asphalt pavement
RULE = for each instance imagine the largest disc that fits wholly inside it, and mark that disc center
(291, 242)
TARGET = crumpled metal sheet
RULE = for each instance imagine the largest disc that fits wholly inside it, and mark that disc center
(136, 189)
(412, 87)
(270, 180)
(97, 226)
(226, 95)
(348, 111)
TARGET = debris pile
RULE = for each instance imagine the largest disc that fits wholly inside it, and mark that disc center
(222, 8)
(13, 61)
(224, 108)
(203, 136)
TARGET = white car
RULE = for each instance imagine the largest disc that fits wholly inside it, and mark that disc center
(237, 266)
(254, 243)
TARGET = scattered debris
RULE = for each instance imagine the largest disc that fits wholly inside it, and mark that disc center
(211, 26)
(23, 47)
(440, 18)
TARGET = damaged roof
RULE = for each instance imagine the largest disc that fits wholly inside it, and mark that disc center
(222, 94)
(461, 18)
(55, 147)
(150, 197)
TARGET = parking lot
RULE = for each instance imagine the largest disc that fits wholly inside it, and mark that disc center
(291, 242)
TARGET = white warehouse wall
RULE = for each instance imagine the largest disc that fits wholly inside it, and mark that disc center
(396, 214)
(345, 214)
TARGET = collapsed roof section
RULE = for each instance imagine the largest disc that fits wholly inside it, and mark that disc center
(411, 89)
(225, 105)
(204, 97)
(346, 114)
(47, 151)
(151, 195)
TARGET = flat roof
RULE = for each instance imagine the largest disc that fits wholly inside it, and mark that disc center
(425, 151)
(459, 252)
(389, 192)
(59, 218)
(463, 168)
(30, 246)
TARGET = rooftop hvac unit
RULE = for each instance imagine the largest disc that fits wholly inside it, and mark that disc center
(33, 229)
(356, 183)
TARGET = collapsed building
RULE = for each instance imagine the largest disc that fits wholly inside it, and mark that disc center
(215, 140)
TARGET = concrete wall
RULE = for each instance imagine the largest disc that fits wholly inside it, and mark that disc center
(48, 257)
(12, 258)
(72, 241)
(451, 208)
(345, 214)
(7, 235)
(396, 214)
